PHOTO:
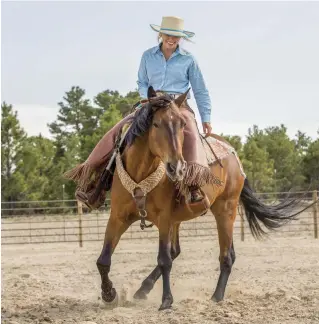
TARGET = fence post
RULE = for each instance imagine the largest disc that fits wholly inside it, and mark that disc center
(97, 224)
(30, 231)
(80, 212)
(315, 214)
(64, 229)
(242, 224)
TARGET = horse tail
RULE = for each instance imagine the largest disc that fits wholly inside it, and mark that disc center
(271, 216)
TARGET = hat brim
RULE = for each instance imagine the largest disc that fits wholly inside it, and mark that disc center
(184, 33)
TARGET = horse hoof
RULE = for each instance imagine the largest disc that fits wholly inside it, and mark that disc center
(111, 299)
(216, 299)
(140, 294)
(167, 304)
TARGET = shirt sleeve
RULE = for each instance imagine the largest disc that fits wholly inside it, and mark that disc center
(142, 81)
(200, 91)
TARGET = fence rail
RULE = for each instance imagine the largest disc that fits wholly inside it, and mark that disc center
(68, 221)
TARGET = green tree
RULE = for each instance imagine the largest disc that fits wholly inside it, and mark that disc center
(12, 140)
(64, 160)
(123, 104)
(287, 162)
(107, 98)
(258, 167)
(76, 116)
(311, 164)
(110, 117)
(302, 143)
(115, 107)
(37, 160)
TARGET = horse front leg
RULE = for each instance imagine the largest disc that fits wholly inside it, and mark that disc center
(149, 282)
(164, 261)
(114, 230)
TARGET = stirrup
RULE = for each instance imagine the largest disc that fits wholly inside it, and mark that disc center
(199, 195)
(199, 199)
(200, 206)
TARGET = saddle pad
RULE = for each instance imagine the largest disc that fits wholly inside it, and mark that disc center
(221, 150)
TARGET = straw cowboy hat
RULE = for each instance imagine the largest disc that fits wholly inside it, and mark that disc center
(174, 26)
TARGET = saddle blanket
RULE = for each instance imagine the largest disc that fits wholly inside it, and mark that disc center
(221, 150)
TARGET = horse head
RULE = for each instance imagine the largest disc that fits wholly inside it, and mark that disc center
(166, 132)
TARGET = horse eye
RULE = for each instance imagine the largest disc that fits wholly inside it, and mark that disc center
(183, 124)
(155, 125)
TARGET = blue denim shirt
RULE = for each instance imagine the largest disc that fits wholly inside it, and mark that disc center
(173, 76)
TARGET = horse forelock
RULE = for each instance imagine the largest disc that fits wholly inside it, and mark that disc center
(142, 120)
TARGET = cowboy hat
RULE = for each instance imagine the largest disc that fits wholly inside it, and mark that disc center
(173, 26)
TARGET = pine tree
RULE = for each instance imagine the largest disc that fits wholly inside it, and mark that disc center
(13, 137)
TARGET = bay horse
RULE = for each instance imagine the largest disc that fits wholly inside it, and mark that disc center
(153, 145)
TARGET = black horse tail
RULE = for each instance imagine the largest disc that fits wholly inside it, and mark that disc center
(271, 216)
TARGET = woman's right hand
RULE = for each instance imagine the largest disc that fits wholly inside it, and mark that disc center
(207, 128)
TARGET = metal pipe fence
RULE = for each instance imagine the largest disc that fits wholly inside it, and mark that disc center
(69, 221)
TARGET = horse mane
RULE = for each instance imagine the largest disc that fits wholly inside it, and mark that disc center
(142, 119)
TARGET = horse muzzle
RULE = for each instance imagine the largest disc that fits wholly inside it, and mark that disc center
(176, 171)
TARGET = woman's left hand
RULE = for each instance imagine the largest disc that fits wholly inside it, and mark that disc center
(207, 128)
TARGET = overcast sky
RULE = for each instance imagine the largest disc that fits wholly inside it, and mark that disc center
(259, 59)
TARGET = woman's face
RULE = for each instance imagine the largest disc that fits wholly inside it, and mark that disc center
(170, 42)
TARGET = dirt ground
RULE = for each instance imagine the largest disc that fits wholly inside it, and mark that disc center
(275, 281)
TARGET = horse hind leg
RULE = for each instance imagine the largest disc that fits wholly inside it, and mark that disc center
(149, 282)
(225, 215)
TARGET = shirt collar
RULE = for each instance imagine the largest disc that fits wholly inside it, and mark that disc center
(179, 50)
(156, 49)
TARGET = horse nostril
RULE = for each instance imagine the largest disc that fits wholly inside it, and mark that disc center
(171, 167)
(178, 169)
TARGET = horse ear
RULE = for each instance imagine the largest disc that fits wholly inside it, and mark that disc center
(179, 100)
(151, 92)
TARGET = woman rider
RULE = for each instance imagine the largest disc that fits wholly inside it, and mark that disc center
(167, 68)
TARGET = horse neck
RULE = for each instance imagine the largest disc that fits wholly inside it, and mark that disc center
(139, 161)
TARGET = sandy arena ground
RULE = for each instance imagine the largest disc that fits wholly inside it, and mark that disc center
(276, 281)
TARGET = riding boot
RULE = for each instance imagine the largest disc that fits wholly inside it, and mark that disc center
(88, 198)
(83, 198)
